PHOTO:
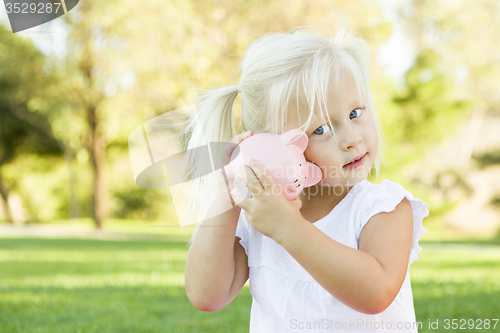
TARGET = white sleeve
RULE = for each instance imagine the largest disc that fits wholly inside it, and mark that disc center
(384, 198)
(242, 231)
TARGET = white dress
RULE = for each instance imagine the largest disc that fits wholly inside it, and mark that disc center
(285, 297)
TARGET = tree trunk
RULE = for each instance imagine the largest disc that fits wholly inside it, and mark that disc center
(4, 193)
(72, 196)
(91, 98)
(15, 203)
(96, 147)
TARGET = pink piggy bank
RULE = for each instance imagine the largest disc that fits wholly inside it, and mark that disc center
(283, 158)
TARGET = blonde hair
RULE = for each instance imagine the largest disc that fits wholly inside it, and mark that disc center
(273, 69)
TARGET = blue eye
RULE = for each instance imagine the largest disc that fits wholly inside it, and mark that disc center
(356, 113)
(322, 130)
(353, 112)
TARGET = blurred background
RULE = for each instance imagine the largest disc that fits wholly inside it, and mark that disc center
(83, 248)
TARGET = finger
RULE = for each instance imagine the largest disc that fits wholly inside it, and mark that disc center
(262, 175)
(228, 149)
(253, 183)
(241, 201)
(236, 140)
(240, 137)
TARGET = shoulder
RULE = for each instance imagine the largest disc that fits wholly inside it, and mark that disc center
(372, 199)
(386, 224)
(367, 189)
(386, 197)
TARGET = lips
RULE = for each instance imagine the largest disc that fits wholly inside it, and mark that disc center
(357, 158)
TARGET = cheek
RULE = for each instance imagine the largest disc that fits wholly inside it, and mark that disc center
(322, 154)
(314, 151)
(371, 136)
(309, 154)
(374, 139)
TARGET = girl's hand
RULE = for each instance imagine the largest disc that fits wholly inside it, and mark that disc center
(226, 153)
(268, 211)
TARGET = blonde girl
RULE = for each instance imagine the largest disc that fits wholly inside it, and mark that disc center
(337, 258)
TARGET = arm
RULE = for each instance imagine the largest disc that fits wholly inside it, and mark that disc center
(216, 265)
(367, 279)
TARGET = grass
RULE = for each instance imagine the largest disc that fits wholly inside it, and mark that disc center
(139, 228)
(78, 285)
(456, 281)
(75, 285)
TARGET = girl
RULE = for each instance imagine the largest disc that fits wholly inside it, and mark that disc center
(337, 258)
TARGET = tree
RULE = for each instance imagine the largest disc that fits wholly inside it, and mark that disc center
(22, 129)
(170, 49)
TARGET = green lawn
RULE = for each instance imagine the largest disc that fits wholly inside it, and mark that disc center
(457, 281)
(75, 285)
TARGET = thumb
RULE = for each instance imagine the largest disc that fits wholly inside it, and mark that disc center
(240, 200)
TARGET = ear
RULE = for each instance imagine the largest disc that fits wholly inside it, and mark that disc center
(314, 174)
(295, 137)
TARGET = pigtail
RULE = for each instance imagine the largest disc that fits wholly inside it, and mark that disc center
(211, 122)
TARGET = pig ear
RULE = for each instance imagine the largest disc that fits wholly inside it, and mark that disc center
(295, 137)
(314, 174)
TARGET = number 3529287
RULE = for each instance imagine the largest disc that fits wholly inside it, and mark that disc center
(32, 8)
(470, 324)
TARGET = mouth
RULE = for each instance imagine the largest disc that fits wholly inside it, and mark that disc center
(356, 162)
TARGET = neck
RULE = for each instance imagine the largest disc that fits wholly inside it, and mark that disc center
(316, 196)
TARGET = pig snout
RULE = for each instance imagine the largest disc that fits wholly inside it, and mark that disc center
(294, 183)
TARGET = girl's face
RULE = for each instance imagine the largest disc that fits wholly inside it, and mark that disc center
(355, 130)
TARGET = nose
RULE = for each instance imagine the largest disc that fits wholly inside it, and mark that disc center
(293, 184)
(350, 137)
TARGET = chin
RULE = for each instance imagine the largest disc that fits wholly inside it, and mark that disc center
(337, 183)
(346, 182)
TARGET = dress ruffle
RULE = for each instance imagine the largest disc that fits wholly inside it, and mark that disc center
(384, 197)
(242, 232)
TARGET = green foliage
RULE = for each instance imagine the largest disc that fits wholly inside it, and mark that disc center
(138, 203)
(420, 114)
(487, 158)
(22, 131)
(44, 185)
(427, 108)
(495, 201)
